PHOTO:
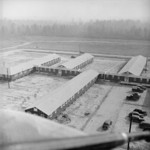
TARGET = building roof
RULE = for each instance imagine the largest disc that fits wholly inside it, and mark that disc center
(3, 70)
(134, 66)
(30, 64)
(40, 61)
(55, 99)
(71, 64)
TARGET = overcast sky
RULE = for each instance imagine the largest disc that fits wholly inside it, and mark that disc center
(76, 10)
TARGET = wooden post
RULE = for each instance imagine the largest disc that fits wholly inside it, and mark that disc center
(8, 79)
(79, 49)
(129, 131)
(146, 64)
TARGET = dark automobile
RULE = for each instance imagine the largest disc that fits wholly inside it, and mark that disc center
(73, 56)
(145, 125)
(142, 87)
(136, 113)
(134, 96)
(146, 129)
(106, 124)
(137, 119)
(140, 111)
(137, 89)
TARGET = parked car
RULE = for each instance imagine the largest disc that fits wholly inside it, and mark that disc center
(142, 87)
(134, 96)
(73, 56)
(140, 111)
(137, 119)
(136, 113)
(146, 69)
(145, 125)
(146, 129)
(106, 124)
(137, 89)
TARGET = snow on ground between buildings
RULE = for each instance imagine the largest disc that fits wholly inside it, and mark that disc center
(87, 113)
(23, 92)
(105, 65)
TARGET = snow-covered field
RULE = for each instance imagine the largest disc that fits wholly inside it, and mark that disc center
(24, 91)
(105, 65)
(101, 102)
(12, 59)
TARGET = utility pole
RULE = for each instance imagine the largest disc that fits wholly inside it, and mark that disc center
(104, 75)
(79, 48)
(129, 132)
(146, 64)
(8, 79)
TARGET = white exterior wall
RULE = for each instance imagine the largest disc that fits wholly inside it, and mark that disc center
(4, 70)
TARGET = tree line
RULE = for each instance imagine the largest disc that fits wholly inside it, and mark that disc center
(112, 29)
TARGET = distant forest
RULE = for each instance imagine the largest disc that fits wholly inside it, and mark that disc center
(123, 29)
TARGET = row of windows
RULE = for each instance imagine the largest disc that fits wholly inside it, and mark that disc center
(20, 74)
(124, 78)
(23, 72)
(51, 62)
(138, 79)
(70, 72)
(83, 64)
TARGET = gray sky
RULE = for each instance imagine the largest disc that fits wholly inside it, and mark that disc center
(77, 10)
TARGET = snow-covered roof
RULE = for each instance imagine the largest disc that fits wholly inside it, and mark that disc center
(134, 66)
(4, 70)
(58, 97)
(28, 65)
(40, 61)
(71, 64)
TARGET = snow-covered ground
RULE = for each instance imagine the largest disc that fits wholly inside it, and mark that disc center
(101, 102)
(12, 59)
(105, 65)
(23, 92)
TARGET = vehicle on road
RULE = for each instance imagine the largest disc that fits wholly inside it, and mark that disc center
(137, 89)
(106, 124)
(140, 111)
